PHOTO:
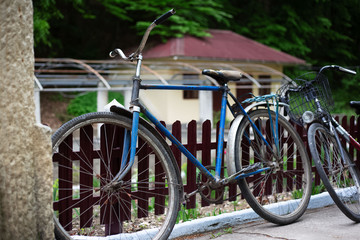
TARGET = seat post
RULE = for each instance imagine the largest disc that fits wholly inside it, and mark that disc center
(220, 146)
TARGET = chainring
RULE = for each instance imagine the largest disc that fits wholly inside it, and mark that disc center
(208, 191)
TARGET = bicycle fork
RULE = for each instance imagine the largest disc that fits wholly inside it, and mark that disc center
(130, 139)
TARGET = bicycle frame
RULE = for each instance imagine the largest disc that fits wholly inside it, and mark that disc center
(348, 138)
(136, 107)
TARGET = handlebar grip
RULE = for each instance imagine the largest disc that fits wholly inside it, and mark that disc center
(342, 69)
(165, 16)
(339, 68)
(119, 52)
(113, 54)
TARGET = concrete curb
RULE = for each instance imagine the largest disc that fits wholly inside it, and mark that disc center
(226, 220)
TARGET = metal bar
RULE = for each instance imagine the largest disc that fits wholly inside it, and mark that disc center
(220, 146)
(126, 149)
(181, 87)
(38, 83)
(134, 135)
(83, 89)
(92, 71)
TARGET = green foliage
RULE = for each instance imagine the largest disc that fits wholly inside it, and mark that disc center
(87, 103)
(193, 17)
(82, 104)
(319, 31)
(224, 231)
(56, 190)
(316, 189)
(44, 11)
(185, 215)
(345, 89)
(108, 20)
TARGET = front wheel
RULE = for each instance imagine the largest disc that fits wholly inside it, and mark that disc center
(88, 152)
(340, 176)
(282, 193)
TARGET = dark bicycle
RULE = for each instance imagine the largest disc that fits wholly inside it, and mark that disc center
(310, 102)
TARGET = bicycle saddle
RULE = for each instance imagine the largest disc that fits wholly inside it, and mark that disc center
(356, 105)
(223, 76)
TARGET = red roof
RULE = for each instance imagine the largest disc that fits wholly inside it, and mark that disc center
(222, 44)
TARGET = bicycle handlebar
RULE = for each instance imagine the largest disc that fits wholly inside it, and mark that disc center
(165, 16)
(346, 70)
(339, 68)
(136, 54)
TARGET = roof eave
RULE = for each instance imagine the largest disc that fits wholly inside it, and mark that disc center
(175, 57)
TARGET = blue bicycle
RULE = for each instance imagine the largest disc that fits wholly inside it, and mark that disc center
(114, 173)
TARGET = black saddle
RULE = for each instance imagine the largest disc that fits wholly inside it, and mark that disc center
(356, 105)
(223, 76)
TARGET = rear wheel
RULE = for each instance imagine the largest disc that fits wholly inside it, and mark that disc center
(88, 152)
(281, 194)
(340, 176)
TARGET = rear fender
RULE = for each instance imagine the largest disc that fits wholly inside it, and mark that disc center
(230, 156)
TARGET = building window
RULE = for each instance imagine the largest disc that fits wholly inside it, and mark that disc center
(190, 94)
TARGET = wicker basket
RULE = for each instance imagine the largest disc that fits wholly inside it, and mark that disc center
(302, 93)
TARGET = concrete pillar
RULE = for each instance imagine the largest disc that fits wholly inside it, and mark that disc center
(25, 146)
(102, 98)
(127, 98)
(206, 105)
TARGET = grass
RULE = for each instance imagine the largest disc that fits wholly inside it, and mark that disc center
(185, 215)
(223, 232)
(316, 189)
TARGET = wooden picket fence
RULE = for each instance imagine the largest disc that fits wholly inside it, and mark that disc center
(201, 145)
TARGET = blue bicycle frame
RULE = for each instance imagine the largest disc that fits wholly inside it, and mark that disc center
(137, 107)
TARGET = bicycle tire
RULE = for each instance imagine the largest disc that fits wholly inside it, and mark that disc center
(339, 179)
(282, 194)
(145, 204)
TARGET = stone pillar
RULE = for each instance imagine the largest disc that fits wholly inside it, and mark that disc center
(25, 146)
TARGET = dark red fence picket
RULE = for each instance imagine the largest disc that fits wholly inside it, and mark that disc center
(201, 145)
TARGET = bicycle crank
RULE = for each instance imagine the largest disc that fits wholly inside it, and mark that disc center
(210, 192)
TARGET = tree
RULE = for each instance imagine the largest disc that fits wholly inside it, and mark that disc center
(103, 24)
(319, 31)
(45, 10)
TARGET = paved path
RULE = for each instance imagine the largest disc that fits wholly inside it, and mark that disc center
(325, 223)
